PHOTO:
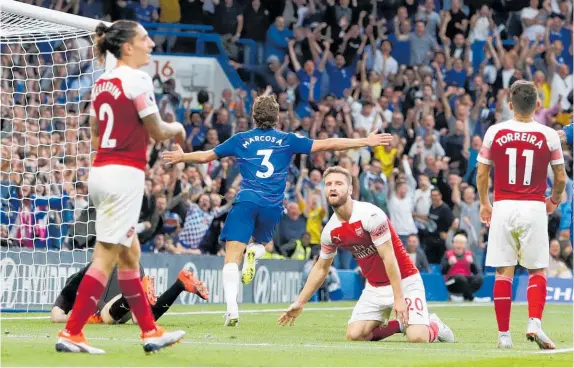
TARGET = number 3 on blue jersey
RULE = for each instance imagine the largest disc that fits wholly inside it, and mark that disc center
(266, 153)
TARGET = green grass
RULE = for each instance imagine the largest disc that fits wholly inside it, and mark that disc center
(317, 339)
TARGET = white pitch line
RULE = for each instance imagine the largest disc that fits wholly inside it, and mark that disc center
(556, 351)
(356, 346)
(255, 311)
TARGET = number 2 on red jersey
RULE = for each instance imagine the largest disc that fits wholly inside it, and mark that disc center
(106, 114)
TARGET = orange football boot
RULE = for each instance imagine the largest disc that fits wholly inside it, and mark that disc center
(192, 284)
(149, 289)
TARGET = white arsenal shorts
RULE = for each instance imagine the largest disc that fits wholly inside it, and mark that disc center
(117, 193)
(518, 234)
(376, 303)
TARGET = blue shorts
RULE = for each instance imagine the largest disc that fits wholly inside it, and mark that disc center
(247, 219)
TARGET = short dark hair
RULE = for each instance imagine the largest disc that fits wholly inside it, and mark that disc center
(524, 96)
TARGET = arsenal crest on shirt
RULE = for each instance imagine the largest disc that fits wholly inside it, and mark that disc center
(359, 231)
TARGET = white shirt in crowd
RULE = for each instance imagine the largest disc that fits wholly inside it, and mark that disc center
(389, 65)
(532, 31)
(561, 87)
(364, 122)
(423, 201)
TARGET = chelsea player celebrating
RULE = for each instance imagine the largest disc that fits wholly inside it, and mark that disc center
(566, 136)
(264, 155)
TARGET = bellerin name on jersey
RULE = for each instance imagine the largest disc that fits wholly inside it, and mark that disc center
(523, 137)
(261, 138)
(106, 87)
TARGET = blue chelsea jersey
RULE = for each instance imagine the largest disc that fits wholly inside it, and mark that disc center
(263, 157)
(569, 133)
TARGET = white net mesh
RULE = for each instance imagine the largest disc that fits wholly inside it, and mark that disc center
(47, 71)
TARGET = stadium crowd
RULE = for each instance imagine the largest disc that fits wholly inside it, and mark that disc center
(434, 73)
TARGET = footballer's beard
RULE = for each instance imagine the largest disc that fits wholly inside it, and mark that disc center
(337, 201)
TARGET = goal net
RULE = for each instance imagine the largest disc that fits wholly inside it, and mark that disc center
(47, 70)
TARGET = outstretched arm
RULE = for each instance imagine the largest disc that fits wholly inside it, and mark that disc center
(197, 157)
(339, 144)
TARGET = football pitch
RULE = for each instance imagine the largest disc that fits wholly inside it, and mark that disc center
(317, 339)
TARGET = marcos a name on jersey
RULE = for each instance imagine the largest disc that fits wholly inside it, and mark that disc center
(263, 157)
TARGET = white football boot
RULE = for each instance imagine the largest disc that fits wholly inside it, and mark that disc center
(231, 322)
(534, 333)
(504, 340)
(68, 343)
(158, 339)
(445, 334)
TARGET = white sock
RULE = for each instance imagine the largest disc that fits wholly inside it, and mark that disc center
(259, 249)
(259, 252)
(231, 288)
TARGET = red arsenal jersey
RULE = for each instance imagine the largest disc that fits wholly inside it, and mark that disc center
(367, 229)
(520, 154)
(120, 99)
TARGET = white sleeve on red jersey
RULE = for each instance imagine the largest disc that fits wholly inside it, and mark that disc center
(376, 223)
(484, 154)
(328, 249)
(138, 87)
(555, 146)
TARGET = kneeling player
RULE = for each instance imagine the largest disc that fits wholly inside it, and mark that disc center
(393, 282)
(113, 308)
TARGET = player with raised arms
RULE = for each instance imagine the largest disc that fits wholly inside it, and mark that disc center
(392, 280)
(264, 155)
(520, 151)
(123, 116)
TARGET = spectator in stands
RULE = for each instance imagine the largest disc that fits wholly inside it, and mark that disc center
(440, 220)
(417, 254)
(197, 221)
(313, 204)
(460, 273)
(256, 19)
(533, 20)
(161, 244)
(422, 45)
(422, 201)
(467, 209)
(292, 225)
(169, 12)
(401, 204)
(277, 39)
(228, 22)
(557, 267)
(144, 11)
(153, 225)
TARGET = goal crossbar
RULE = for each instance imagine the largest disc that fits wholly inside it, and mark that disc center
(49, 15)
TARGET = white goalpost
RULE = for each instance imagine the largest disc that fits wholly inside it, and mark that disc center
(47, 69)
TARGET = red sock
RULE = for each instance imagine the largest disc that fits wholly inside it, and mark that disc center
(382, 332)
(89, 292)
(536, 295)
(433, 331)
(132, 289)
(502, 301)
